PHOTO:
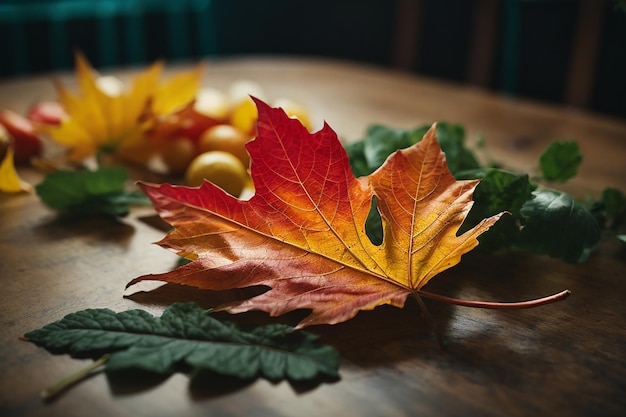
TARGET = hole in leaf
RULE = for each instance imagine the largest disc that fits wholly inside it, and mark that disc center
(374, 224)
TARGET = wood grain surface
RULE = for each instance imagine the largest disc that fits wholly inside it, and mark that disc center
(564, 359)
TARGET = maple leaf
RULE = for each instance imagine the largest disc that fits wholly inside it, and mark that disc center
(303, 231)
(100, 119)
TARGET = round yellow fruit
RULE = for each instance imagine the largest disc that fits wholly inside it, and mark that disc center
(294, 110)
(225, 138)
(244, 116)
(221, 168)
(178, 154)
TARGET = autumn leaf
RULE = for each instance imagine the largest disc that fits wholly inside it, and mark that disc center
(10, 181)
(99, 118)
(302, 234)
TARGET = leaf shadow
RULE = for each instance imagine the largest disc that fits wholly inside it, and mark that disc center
(203, 384)
(101, 229)
(133, 381)
(206, 384)
(387, 337)
(474, 339)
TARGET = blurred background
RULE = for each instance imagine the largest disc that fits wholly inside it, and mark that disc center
(570, 52)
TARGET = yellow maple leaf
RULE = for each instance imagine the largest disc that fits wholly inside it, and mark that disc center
(102, 119)
(10, 181)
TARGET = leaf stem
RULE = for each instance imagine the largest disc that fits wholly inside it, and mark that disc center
(54, 390)
(498, 305)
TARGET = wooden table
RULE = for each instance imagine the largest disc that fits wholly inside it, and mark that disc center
(564, 359)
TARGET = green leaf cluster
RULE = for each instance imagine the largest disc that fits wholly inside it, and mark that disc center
(188, 336)
(89, 193)
(541, 219)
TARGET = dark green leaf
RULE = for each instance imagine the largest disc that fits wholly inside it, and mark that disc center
(501, 190)
(610, 210)
(614, 202)
(451, 138)
(541, 221)
(382, 141)
(498, 191)
(560, 161)
(357, 158)
(374, 225)
(555, 224)
(187, 335)
(100, 192)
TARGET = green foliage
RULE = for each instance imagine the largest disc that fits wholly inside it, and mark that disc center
(90, 193)
(187, 335)
(560, 161)
(611, 208)
(557, 225)
(379, 142)
(498, 191)
(539, 219)
(451, 138)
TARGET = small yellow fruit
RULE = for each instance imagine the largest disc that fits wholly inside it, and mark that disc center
(212, 102)
(178, 154)
(244, 116)
(137, 149)
(221, 168)
(225, 138)
(294, 110)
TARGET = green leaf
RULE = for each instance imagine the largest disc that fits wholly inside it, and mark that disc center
(187, 335)
(557, 225)
(501, 190)
(498, 191)
(621, 238)
(357, 158)
(100, 192)
(560, 161)
(451, 138)
(614, 202)
(380, 141)
(546, 222)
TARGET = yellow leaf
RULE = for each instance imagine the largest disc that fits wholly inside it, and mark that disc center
(10, 182)
(99, 118)
(176, 92)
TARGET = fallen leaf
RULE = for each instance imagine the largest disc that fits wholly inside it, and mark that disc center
(98, 118)
(187, 334)
(10, 181)
(303, 231)
(89, 193)
(560, 161)
(559, 226)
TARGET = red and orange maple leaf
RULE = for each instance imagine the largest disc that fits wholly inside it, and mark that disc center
(303, 232)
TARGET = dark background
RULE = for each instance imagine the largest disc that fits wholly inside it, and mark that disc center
(532, 53)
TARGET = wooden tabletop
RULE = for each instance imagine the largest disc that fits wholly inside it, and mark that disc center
(563, 359)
